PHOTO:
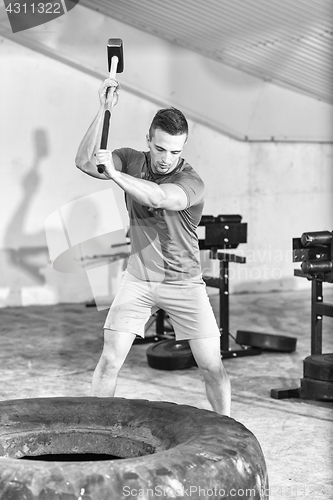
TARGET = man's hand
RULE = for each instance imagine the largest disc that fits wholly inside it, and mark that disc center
(104, 157)
(109, 93)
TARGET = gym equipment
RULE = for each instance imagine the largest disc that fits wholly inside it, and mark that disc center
(318, 390)
(115, 65)
(317, 381)
(266, 341)
(170, 355)
(221, 233)
(319, 367)
(315, 252)
(161, 447)
(226, 232)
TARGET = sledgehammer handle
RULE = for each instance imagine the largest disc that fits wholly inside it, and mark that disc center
(114, 66)
(107, 113)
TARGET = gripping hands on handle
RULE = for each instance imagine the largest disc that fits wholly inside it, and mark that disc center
(104, 158)
(96, 137)
(109, 93)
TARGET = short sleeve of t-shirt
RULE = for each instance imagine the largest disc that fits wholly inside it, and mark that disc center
(192, 185)
(129, 158)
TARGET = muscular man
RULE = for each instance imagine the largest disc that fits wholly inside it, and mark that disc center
(164, 198)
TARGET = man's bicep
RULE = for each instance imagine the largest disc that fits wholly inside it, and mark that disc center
(194, 189)
(175, 197)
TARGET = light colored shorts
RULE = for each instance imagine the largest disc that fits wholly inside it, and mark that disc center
(186, 303)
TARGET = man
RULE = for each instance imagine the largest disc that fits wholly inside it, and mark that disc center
(164, 198)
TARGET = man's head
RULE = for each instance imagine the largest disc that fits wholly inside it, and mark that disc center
(170, 120)
(166, 139)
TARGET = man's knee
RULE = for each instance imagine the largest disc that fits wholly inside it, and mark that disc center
(115, 349)
(109, 365)
(206, 352)
(215, 374)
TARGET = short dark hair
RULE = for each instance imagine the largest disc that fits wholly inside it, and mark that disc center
(170, 120)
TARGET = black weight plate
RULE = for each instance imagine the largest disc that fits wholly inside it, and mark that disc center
(170, 355)
(266, 341)
(146, 340)
(318, 390)
(319, 367)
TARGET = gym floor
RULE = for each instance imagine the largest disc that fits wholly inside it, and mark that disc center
(49, 351)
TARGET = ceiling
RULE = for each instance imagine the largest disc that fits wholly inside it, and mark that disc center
(287, 42)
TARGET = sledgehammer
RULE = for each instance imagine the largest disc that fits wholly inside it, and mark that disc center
(115, 65)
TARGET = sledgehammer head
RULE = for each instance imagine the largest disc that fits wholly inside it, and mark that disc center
(115, 48)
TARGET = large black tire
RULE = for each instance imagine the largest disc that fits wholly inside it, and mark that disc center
(168, 450)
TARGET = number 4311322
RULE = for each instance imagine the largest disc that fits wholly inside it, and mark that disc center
(34, 8)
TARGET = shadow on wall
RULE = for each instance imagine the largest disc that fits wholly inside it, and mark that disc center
(79, 257)
(26, 254)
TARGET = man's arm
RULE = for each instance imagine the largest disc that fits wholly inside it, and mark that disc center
(85, 158)
(168, 196)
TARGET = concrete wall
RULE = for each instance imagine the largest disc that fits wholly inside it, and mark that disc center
(211, 93)
(280, 189)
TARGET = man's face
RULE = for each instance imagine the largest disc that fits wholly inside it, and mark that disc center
(165, 150)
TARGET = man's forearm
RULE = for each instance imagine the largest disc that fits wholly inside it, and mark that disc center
(145, 192)
(90, 143)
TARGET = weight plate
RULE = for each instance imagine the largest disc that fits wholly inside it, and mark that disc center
(146, 340)
(319, 367)
(319, 390)
(266, 341)
(170, 355)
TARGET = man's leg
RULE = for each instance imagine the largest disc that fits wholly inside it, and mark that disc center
(206, 352)
(128, 314)
(116, 347)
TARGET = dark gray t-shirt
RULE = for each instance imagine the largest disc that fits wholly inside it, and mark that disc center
(164, 243)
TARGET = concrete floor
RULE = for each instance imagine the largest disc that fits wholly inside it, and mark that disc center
(49, 351)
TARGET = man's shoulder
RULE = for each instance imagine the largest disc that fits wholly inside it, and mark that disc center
(191, 182)
(188, 171)
(188, 167)
(131, 159)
